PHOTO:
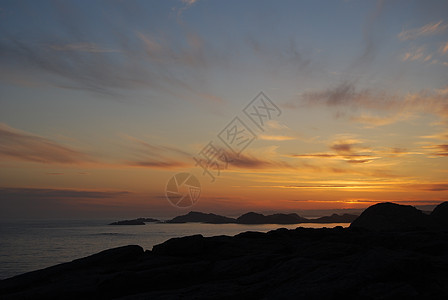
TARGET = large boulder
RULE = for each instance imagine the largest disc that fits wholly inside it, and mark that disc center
(391, 217)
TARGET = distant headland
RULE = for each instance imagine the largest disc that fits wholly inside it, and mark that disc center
(248, 218)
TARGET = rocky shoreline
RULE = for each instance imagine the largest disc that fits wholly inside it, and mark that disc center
(348, 263)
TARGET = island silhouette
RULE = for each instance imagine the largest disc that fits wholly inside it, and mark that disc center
(247, 218)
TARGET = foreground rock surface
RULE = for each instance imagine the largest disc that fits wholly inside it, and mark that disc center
(282, 264)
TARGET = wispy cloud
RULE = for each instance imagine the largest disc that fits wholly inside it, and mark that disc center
(266, 159)
(348, 97)
(434, 187)
(359, 169)
(276, 137)
(434, 149)
(349, 158)
(371, 120)
(114, 60)
(396, 152)
(274, 124)
(426, 30)
(289, 55)
(186, 4)
(189, 2)
(243, 161)
(82, 47)
(153, 156)
(192, 54)
(437, 136)
(37, 193)
(348, 150)
(18, 145)
(145, 62)
(370, 43)
(444, 48)
(417, 54)
(159, 164)
(437, 150)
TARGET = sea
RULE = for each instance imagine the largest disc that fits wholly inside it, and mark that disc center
(29, 245)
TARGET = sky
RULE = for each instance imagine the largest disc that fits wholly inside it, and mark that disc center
(272, 106)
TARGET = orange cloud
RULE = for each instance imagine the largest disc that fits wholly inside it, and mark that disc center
(427, 30)
(414, 54)
(437, 136)
(348, 150)
(275, 137)
(444, 48)
(159, 164)
(438, 150)
(375, 121)
(434, 187)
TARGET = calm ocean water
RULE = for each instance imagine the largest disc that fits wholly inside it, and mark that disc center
(30, 245)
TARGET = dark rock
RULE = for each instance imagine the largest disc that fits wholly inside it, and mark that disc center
(194, 216)
(305, 263)
(255, 218)
(80, 278)
(184, 246)
(389, 262)
(439, 216)
(391, 216)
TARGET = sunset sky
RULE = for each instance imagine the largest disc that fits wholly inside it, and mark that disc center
(102, 102)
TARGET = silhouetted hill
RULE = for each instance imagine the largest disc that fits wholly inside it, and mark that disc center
(248, 218)
(439, 216)
(391, 216)
(194, 216)
(254, 218)
(335, 218)
(139, 221)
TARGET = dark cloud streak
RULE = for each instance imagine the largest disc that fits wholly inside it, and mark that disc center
(36, 193)
(22, 146)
